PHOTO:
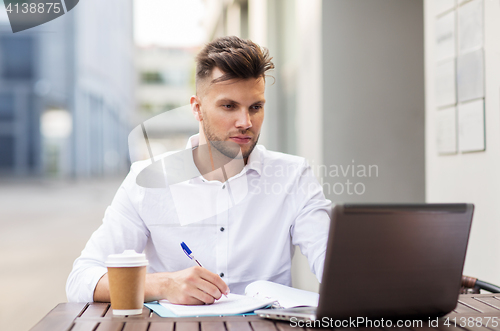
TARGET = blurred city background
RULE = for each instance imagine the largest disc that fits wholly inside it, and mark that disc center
(354, 86)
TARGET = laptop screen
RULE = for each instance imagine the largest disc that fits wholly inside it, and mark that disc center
(394, 260)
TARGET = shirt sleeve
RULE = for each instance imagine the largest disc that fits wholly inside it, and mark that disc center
(309, 230)
(122, 229)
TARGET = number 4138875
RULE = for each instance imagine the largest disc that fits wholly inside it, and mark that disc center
(471, 321)
(33, 8)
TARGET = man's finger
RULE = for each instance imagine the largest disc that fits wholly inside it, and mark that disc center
(210, 289)
(216, 280)
(201, 296)
(192, 301)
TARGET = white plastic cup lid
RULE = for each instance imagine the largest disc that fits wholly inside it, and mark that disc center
(129, 258)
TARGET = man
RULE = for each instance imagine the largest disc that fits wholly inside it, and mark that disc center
(241, 214)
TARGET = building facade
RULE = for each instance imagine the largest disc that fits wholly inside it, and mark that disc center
(66, 93)
(165, 82)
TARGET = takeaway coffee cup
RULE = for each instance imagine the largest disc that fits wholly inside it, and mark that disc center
(127, 278)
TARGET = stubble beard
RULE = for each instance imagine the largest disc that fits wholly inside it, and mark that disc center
(229, 149)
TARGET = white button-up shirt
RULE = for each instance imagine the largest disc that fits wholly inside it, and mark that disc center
(246, 232)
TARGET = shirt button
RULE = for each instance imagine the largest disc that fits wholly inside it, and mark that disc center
(222, 229)
(221, 274)
(224, 186)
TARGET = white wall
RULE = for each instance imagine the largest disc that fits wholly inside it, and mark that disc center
(471, 177)
(309, 111)
(373, 100)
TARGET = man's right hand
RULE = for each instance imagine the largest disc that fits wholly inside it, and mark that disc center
(193, 286)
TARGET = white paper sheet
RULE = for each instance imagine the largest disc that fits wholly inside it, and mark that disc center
(286, 296)
(445, 84)
(446, 131)
(470, 26)
(471, 133)
(470, 75)
(445, 37)
(233, 304)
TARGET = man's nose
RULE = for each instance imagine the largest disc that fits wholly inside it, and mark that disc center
(244, 121)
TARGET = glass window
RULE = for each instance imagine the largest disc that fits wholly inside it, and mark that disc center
(6, 106)
(17, 57)
(7, 152)
(176, 77)
(151, 77)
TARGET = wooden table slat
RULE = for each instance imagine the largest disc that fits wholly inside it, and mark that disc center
(494, 328)
(89, 317)
(136, 326)
(213, 326)
(465, 309)
(238, 326)
(108, 325)
(425, 327)
(263, 325)
(84, 326)
(490, 301)
(329, 329)
(476, 328)
(158, 326)
(96, 309)
(285, 326)
(187, 326)
(450, 327)
(109, 313)
(481, 306)
(61, 317)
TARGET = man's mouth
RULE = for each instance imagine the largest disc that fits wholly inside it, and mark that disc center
(241, 139)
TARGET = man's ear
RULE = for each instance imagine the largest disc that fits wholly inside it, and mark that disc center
(195, 107)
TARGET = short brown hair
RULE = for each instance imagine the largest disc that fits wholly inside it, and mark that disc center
(236, 57)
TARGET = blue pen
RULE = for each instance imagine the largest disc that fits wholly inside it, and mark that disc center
(189, 253)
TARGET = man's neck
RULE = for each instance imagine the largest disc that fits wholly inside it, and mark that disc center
(213, 165)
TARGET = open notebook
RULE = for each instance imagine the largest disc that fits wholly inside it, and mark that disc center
(258, 294)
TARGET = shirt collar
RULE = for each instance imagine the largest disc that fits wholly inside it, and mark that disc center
(254, 159)
(193, 141)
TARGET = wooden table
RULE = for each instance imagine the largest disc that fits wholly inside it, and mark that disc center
(99, 317)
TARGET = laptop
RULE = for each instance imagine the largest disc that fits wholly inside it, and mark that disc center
(390, 261)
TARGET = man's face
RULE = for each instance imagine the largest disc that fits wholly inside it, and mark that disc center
(232, 113)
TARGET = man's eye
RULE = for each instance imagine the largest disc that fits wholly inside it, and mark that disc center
(256, 107)
(227, 106)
